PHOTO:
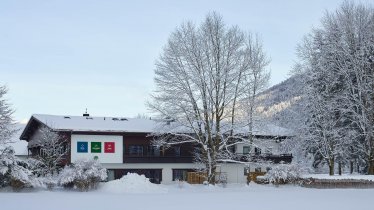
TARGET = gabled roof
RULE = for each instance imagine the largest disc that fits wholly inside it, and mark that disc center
(120, 125)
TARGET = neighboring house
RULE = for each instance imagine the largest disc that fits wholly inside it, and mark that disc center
(20, 147)
(123, 145)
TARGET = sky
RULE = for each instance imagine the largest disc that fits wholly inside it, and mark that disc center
(61, 57)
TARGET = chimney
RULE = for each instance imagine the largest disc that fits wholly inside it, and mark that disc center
(86, 114)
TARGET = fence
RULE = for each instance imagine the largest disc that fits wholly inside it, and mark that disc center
(200, 177)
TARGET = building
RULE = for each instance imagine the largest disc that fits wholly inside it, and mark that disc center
(20, 147)
(123, 145)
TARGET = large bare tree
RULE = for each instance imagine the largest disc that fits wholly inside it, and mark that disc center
(204, 75)
(338, 64)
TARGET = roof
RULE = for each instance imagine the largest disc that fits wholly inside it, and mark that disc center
(20, 147)
(97, 124)
(128, 125)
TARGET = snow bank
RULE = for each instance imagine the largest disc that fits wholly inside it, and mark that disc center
(132, 183)
(342, 177)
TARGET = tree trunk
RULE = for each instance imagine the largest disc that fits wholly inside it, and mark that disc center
(357, 167)
(371, 167)
(340, 168)
(351, 167)
(331, 167)
(212, 177)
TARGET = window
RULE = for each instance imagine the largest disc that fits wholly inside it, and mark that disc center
(42, 152)
(177, 150)
(232, 149)
(257, 151)
(258, 169)
(154, 150)
(110, 173)
(61, 150)
(246, 150)
(269, 150)
(136, 150)
(180, 174)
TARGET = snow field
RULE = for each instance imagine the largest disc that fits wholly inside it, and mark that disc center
(195, 197)
(135, 192)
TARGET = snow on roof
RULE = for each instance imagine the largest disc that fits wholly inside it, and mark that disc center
(271, 130)
(20, 147)
(98, 124)
(133, 125)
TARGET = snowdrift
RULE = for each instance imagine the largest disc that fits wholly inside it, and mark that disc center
(132, 183)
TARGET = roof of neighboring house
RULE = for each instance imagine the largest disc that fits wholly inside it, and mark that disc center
(124, 125)
(20, 147)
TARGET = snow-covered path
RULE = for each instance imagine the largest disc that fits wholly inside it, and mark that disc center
(196, 197)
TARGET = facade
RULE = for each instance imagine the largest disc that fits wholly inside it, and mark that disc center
(124, 145)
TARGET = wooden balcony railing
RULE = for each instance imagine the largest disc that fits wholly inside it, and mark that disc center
(281, 158)
(156, 159)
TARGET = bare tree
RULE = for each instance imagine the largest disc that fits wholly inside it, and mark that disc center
(201, 77)
(338, 64)
(54, 150)
(255, 80)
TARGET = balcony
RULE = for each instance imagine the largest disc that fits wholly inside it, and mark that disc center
(157, 159)
(281, 158)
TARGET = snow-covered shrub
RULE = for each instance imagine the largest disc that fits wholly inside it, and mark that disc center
(49, 181)
(36, 166)
(83, 174)
(15, 172)
(283, 174)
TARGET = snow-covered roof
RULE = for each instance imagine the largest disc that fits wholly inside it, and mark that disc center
(97, 124)
(263, 129)
(133, 125)
(20, 147)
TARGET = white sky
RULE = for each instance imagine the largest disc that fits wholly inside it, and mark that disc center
(59, 57)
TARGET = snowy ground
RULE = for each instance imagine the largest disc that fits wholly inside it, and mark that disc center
(195, 197)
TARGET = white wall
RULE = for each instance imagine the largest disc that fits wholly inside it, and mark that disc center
(261, 143)
(116, 157)
(235, 172)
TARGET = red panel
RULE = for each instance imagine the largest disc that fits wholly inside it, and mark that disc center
(109, 147)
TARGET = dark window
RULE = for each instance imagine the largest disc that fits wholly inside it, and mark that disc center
(154, 151)
(136, 150)
(232, 149)
(258, 169)
(177, 150)
(257, 151)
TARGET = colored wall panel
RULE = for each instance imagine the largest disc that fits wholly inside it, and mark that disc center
(95, 147)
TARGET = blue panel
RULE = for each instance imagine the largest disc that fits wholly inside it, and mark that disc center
(82, 147)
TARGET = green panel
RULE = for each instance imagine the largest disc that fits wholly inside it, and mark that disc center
(95, 147)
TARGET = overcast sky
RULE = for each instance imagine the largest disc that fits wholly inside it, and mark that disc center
(59, 57)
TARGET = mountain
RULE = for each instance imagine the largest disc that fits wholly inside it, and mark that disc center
(281, 104)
